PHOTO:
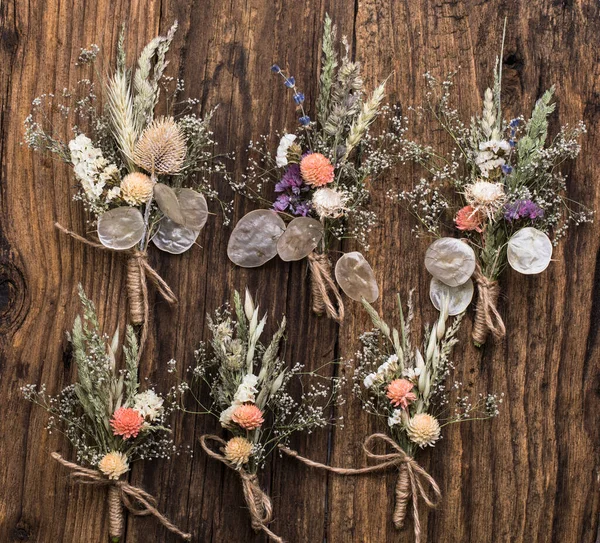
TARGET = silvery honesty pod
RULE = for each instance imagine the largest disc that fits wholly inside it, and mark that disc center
(301, 237)
(529, 251)
(121, 228)
(193, 208)
(450, 260)
(459, 297)
(254, 238)
(174, 238)
(168, 203)
(356, 278)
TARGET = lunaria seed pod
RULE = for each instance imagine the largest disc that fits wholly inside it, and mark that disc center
(459, 297)
(300, 238)
(529, 251)
(121, 228)
(254, 238)
(356, 278)
(450, 260)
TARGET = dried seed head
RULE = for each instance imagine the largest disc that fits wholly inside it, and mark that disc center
(161, 148)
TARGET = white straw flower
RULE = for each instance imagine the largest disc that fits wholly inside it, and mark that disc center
(149, 404)
(225, 418)
(284, 144)
(329, 203)
(247, 391)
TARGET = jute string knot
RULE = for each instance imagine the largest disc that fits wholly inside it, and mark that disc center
(487, 317)
(258, 502)
(323, 286)
(411, 483)
(138, 273)
(120, 493)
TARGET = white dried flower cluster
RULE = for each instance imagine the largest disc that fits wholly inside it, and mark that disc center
(149, 404)
(285, 142)
(92, 170)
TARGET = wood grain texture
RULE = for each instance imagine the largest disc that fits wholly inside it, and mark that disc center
(531, 475)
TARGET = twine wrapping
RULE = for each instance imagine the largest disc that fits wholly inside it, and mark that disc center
(258, 502)
(138, 273)
(321, 285)
(411, 482)
(487, 318)
(120, 493)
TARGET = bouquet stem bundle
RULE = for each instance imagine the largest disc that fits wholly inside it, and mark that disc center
(120, 494)
(487, 317)
(323, 288)
(258, 501)
(410, 485)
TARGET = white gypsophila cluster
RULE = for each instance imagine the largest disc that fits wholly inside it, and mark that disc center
(91, 168)
(396, 418)
(390, 365)
(284, 144)
(148, 404)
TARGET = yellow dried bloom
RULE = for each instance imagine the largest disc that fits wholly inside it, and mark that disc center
(161, 148)
(423, 429)
(238, 451)
(114, 464)
(136, 188)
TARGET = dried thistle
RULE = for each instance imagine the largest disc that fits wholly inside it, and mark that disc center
(161, 148)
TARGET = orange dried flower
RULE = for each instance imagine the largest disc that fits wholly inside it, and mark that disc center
(248, 416)
(468, 218)
(316, 170)
(399, 393)
(126, 422)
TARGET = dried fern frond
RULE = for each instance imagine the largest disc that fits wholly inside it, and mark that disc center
(161, 148)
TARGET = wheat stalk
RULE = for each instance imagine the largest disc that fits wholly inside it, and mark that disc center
(368, 114)
(120, 109)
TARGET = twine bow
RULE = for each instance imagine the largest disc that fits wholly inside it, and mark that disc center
(487, 317)
(412, 478)
(138, 273)
(322, 283)
(258, 502)
(120, 492)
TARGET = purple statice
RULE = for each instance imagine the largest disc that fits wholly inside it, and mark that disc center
(291, 191)
(522, 209)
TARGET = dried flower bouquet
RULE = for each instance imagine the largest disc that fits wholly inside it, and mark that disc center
(408, 387)
(503, 187)
(110, 422)
(142, 177)
(322, 175)
(249, 386)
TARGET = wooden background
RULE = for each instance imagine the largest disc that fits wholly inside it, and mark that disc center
(531, 475)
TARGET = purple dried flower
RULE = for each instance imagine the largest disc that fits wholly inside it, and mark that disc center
(302, 209)
(298, 98)
(522, 209)
(282, 202)
(304, 120)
